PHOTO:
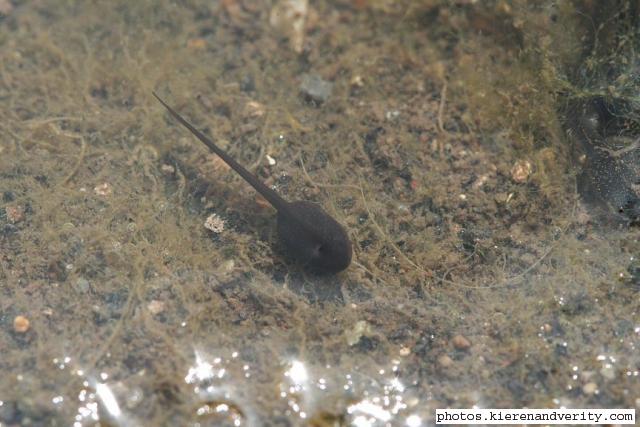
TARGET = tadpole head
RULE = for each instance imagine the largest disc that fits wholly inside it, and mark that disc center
(314, 239)
(333, 254)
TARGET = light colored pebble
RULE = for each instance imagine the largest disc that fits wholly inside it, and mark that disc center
(21, 324)
(155, 306)
(254, 109)
(520, 171)
(214, 223)
(360, 329)
(590, 388)
(15, 213)
(357, 81)
(445, 361)
(608, 372)
(227, 266)
(103, 189)
(460, 343)
(168, 169)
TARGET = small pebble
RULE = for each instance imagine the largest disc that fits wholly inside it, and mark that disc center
(168, 169)
(392, 114)
(254, 109)
(315, 87)
(20, 324)
(480, 181)
(103, 189)
(460, 343)
(356, 81)
(15, 213)
(214, 223)
(520, 171)
(360, 329)
(83, 285)
(589, 388)
(227, 266)
(155, 306)
(405, 351)
(445, 361)
(608, 372)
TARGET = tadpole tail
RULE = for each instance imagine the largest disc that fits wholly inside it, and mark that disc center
(274, 198)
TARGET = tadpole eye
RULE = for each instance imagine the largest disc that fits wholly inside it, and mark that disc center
(320, 249)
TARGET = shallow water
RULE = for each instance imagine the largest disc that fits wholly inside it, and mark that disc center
(480, 277)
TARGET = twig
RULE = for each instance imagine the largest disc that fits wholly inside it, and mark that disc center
(443, 100)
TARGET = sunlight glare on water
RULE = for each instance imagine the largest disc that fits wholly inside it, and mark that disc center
(378, 396)
(218, 383)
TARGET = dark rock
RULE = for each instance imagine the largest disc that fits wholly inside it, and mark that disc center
(366, 344)
(8, 196)
(8, 229)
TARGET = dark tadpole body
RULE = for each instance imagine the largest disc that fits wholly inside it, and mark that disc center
(308, 234)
